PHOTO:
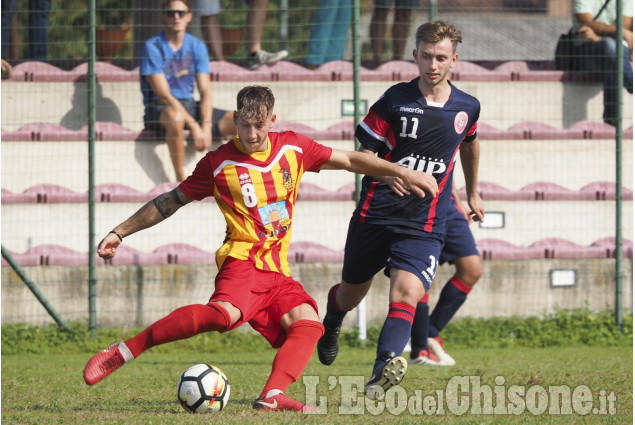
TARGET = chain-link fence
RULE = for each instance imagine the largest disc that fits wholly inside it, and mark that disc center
(556, 181)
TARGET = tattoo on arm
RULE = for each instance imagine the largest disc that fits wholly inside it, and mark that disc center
(176, 197)
(162, 204)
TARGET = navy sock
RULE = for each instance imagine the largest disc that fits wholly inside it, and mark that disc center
(394, 334)
(452, 297)
(419, 333)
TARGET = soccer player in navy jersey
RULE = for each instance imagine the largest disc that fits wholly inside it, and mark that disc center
(254, 180)
(422, 125)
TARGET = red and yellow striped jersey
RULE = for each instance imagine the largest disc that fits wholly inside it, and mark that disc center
(256, 194)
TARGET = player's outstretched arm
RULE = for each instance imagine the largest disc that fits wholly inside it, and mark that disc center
(154, 212)
(470, 154)
(362, 163)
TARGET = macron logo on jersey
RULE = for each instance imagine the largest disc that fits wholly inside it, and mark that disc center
(411, 110)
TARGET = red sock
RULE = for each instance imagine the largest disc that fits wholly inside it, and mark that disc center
(294, 355)
(182, 323)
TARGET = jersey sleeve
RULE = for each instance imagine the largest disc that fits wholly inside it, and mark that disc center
(471, 134)
(473, 124)
(200, 184)
(314, 154)
(373, 131)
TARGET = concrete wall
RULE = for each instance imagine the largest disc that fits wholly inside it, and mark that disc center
(137, 296)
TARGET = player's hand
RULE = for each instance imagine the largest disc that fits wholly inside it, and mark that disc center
(420, 183)
(107, 248)
(477, 208)
(465, 211)
(397, 185)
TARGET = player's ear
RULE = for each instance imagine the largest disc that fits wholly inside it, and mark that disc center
(273, 119)
(455, 59)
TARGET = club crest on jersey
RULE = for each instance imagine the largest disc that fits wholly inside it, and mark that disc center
(275, 219)
(460, 122)
(287, 181)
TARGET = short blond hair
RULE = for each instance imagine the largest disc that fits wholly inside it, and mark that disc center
(435, 31)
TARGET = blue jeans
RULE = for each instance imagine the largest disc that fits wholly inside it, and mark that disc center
(329, 31)
(601, 56)
(38, 26)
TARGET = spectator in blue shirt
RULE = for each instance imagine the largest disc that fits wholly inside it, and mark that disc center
(171, 63)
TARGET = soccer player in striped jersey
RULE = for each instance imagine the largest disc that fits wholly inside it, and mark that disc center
(254, 180)
(422, 125)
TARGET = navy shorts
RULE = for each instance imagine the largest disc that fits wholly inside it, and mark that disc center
(152, 116)
(458, 239)
(369, 248)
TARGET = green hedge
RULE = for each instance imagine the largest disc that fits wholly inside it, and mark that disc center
(579, 327)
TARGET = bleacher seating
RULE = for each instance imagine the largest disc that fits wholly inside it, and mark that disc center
(113, 192)
(307, 252)
(552, 157)
(508, 92)
(531, 214)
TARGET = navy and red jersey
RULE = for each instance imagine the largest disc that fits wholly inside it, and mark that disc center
(403, 128)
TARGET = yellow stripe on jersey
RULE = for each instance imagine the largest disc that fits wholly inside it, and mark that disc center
(258, 202)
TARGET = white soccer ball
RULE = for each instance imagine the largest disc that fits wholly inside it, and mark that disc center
(203, 388)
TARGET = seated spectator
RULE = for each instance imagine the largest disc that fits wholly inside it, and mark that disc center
(596, 47)
(171, 62)
(329, 32)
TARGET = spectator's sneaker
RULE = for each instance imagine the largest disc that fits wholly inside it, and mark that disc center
(329, 344)
(392, 374)
(276, 400)
(436, 346)
(106, 362)
(424, 357)
(261, 57)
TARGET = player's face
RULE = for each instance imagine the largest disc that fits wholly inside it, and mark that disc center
(435, 61)
(177, 16)
(252, 132)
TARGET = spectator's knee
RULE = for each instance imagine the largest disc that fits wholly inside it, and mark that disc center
(609, 46)
(172, 117)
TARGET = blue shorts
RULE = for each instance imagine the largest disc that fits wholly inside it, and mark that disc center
(369, 248)
(458, 239)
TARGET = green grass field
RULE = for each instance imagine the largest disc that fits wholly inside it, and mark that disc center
(46, 389)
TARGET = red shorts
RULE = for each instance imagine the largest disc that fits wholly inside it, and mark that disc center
(262, 297)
